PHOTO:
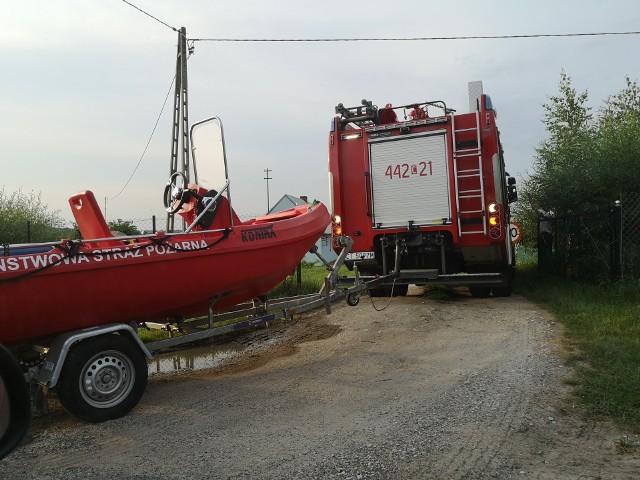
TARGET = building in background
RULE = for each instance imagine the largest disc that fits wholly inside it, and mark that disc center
(323, 243)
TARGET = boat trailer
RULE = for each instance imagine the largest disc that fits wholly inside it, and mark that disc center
(116, 353)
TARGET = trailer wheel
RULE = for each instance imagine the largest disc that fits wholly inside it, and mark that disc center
(103, 378)
(480, 292)
(353, 299)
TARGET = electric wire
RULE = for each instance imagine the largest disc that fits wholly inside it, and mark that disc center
(148, 142)
(191, 49)
(388, 39)
(151, 16)
(412, 39)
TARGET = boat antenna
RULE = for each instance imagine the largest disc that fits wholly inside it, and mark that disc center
(180, 133)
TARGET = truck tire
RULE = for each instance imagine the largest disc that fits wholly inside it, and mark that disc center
(103, 378)
(480, 292)
(502, 291)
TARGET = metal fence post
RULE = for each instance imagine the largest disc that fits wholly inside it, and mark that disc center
(153, 223)
(616, 240)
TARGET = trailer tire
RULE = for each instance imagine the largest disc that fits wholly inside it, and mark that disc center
(353, 299)
(103, 378)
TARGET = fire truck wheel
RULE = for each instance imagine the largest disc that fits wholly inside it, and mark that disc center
(501, 291)
(376, 292)
(480, 292)
(103, 378)
(398, 291)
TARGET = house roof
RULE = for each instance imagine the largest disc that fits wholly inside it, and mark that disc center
(286, 202)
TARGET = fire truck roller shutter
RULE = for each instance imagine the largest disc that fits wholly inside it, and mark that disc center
(410, 180)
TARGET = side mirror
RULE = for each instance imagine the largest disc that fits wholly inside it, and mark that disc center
(15, 407)
(512, 192)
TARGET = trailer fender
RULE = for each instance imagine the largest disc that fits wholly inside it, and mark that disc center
(49, 373)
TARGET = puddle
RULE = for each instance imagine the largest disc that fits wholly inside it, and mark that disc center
(198, 358)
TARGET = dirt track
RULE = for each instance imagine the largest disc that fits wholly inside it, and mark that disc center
(465, 388)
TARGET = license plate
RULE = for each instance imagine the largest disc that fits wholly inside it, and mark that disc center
(360, 256)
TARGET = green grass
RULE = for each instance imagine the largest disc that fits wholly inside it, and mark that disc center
(312, 280)
(602, 328)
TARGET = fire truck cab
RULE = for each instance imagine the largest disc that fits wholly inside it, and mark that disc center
(423, 193)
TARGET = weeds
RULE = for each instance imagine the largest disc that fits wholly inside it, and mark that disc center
(439, 293)
(603, 326)
(626, 445)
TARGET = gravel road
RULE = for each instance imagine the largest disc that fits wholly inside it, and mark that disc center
(462, 388)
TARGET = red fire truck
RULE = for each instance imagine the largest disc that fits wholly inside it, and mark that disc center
(423, 193)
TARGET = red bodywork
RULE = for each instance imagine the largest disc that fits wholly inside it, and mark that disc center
(104, 280)
(436, 182)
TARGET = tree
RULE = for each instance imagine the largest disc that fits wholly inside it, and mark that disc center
(563, 159)
(586, 162)
(124, 226)
(25, 217)
(619, 141)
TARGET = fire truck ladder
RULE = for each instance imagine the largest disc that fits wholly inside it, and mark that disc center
(469, 182)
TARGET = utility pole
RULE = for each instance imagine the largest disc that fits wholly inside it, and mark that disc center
(267, 178)
(180, 133)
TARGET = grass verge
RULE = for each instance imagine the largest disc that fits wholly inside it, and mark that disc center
(602, 325)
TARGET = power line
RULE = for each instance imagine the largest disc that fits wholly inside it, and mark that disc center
(387, 39)
(149, 15)
(411, 39)
(148, 142)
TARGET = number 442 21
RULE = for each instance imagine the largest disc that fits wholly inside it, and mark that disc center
(404, 170)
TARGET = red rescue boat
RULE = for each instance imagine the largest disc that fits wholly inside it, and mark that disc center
(218, 260)
(49, 289)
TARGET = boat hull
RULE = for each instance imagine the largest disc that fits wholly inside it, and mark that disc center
(155, 279)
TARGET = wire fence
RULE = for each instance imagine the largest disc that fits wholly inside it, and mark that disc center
(35, 232)
(593, 246)
(631, 235)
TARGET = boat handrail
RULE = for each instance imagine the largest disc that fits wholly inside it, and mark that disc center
(147, 236)
(208, 207)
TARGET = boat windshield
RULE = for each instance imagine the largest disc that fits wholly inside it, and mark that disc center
(208, 155)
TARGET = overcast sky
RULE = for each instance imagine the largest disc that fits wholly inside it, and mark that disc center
(83, 83)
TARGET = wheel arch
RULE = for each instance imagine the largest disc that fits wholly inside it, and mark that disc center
(49, 372)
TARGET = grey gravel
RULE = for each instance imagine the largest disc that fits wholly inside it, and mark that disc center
(467, 388)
